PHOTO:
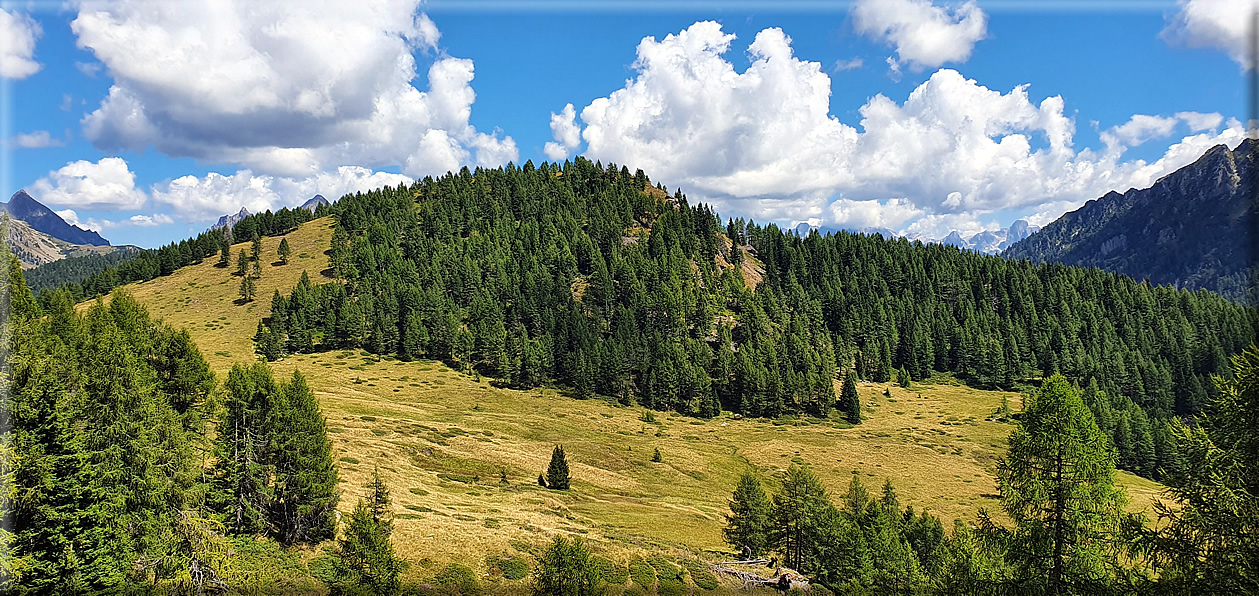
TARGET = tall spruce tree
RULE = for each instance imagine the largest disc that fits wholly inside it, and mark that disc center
(304, 497)
(799, 509)
(242, 474)
(849, 401)
(748, 526)
(557, 477)
(365, 562)
(1057, 485)
(284, 251)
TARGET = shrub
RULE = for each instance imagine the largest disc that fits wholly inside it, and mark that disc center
(459, 577)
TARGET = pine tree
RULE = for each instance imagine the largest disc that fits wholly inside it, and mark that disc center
(225, 256)
(902, 377)
(242, 264)
(379, 502)
(748, 525)
(365, 562)
(566, 568)
(1057, 484)
(656, 457)
(849, 401)
(247, 289)
(241, 484)
(255, 249)
(557, 477)
(798, 510)
(284, 251)
(304, 497)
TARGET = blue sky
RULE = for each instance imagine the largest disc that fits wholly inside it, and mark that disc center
(146, 120)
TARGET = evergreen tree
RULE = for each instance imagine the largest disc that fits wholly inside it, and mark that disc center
(902, 377)
(748, 525)
(255, 249)
(242, 264)
(798, 509)
(1210, 544)
(566, 568)
(304, 497)
(365, 562)
(225, 256)
(379, 502)
(241, 485)
(557, 477)
(656, 457)
(247, 289)
(1057, 484)
(849, 401)
(284, 251)
(268, 344)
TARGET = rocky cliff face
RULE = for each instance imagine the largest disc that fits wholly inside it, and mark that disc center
(42, 219)
(1191, 229)
(227, 221)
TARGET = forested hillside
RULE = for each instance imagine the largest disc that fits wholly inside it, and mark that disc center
(592, 278)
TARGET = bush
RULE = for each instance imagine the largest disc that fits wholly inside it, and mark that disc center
(459, 577)
(511, 567)
(656, 457)
(612, 574)
(700, 575)
(642, 573)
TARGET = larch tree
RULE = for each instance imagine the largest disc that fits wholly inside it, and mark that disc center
(1057, 484)
(748, 524)
(849, 401)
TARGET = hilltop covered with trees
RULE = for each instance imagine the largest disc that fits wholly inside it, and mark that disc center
(593, 278)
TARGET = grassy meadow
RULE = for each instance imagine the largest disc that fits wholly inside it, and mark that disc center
(462, 456)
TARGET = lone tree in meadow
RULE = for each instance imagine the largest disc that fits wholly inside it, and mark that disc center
(902, 377)
(242, 264)
(849, 401)
(284, 251)
(557, 473)
(1057, 483)
(365, 562)
(749, 524)
(225, 256)
(247, 289)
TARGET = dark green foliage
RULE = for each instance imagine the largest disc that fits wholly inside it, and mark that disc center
(365, 562)
(557, 477)
(849, 401)
(274, 473)
(304, 497)
(225, 256)
(542, 480)
(68, 273)
(247, 288)
(242, 264)
(799, 509)
(284, 251)
(98, 408)
(1057, 484)
(255, 249)
(656, 457)
(566, 568)
(1211, 541)
(748, 525)
(902, 377)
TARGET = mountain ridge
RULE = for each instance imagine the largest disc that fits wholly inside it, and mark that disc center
(22, 206)
(1187, 230)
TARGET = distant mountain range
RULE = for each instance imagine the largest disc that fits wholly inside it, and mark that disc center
(232, 219)
(40, 218)
(1191, 229)
(38, 236)
(989, 241)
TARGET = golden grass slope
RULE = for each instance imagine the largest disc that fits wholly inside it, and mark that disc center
(462, 457)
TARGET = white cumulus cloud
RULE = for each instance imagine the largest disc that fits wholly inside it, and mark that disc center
(198, 199)
(923, 34)
(37, 139)
(106, 184)
(289, 89)
(762, 143)
(1216, 24)
(565, 131)
(18, 33)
